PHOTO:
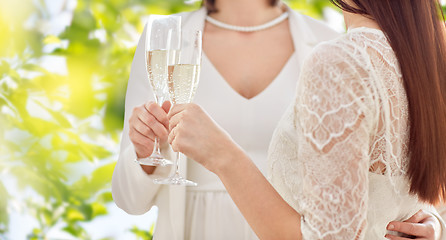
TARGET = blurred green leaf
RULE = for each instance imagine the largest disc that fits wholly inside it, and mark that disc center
(105, 197)
(58, 116)
(42, 184)
(98, 209)
(87, 186)
(4, 218)
(142, 234)
(77, 231)
(74, 215)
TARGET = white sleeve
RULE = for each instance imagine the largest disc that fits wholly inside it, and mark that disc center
(132, 189)
(335, 117)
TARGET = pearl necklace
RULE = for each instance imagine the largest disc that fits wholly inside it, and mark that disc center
(267, 25)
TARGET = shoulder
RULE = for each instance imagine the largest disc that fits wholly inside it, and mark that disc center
(319, 30)
(334, 52)
(337, 73)
(312, 22)
(339, 63)
(357, 49)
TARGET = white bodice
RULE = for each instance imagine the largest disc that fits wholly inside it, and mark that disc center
(251, 123)
(341, 146)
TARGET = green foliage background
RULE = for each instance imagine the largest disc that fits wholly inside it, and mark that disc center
(51, 122)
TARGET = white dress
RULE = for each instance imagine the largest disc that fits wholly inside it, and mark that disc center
(339, 155)
(207, 211)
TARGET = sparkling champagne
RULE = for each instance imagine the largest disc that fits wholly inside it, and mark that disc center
(157, 62)
(157, 68)
(183, 82)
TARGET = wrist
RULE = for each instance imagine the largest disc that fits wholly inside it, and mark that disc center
(143, 153)
(230, 159)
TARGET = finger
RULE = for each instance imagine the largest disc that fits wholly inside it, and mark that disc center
(151, 122)
(175, 109)
(157, 112)
(392, 237)
(166, 106)
(160, 131)
(135, 121)
(143, 129)
(149, 119)
(139, 138)
(414, 229)
(172, 135)
(146, 117)
(175, 120)
(173, 140)
(134, 116)
(418, 217)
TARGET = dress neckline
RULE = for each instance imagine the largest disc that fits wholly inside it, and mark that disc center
(277, 77)
(263, 92)
(302, 36)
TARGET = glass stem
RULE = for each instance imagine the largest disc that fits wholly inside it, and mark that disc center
(156, 147)
(177, 164)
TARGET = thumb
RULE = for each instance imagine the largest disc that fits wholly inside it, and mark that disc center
(166, 106)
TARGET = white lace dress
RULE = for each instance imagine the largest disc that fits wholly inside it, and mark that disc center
(339, 154)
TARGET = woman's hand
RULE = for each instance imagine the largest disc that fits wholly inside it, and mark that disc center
(422, 225)
(147, 122)
(195, 134)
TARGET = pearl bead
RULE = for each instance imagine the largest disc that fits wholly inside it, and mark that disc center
(267, 25)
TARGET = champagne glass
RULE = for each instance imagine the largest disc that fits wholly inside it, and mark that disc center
(161, 46)
(183, 82)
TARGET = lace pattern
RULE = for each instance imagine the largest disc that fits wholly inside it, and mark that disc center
(349, 119)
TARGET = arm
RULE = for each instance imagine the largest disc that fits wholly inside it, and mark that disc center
(335, 120)
(335, 204)
(132, 188)
(264, 209)
(195, 134)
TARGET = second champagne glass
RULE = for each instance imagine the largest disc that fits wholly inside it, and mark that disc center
(162, 43)
(183, 82)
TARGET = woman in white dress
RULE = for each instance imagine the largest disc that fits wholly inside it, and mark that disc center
(237, 95)
(362, 144)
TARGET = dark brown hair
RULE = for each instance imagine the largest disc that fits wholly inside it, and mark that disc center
(210, 5)
(416, 32)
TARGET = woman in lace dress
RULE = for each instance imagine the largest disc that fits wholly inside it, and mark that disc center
(362, 144)
(207, 211)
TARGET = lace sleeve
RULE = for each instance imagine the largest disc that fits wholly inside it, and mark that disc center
(334, 122)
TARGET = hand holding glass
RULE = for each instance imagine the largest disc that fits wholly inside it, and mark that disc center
(162, 42)
(183, 82)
